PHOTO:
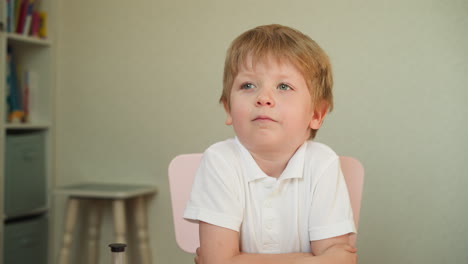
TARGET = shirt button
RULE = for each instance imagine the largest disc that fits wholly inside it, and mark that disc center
(269, 185)
(269, 224)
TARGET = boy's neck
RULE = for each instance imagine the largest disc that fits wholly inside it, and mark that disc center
(273, 163)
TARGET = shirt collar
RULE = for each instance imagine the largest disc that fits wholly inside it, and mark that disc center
(294, 168)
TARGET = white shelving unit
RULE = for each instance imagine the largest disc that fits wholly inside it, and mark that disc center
(36, 55)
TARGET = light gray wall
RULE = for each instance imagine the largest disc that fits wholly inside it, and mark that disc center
(138, 83)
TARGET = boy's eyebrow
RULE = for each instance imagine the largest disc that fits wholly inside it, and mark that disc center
(244, 73)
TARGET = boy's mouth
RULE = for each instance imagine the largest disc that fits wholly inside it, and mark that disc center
(263, 118)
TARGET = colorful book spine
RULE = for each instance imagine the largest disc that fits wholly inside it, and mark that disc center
(9, 9)
(23, 10)
(24, 17)
(33, 94)
(8, 85)
(35, 24)
(16, 13)
(26, 96)
(21, 94)
(15, 111)
(42, 24)
(28, 18)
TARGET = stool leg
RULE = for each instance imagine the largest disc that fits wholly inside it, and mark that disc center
(94, 224)
(119, 220)
(142, 230)
(70, 222)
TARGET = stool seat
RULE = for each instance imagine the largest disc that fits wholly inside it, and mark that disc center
(106, 191)
(97, 194)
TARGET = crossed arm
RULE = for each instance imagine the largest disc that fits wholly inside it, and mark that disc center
(219, 245)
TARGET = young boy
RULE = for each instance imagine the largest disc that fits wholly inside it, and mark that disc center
(271, 195)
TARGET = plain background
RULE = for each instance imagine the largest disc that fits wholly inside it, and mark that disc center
(138, 83)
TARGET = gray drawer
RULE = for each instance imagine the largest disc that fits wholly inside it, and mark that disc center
(25, 173)
(25, 241)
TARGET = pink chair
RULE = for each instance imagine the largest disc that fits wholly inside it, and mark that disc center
(182, 171)
(354, 176)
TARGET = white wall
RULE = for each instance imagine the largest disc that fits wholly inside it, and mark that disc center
(138, 83)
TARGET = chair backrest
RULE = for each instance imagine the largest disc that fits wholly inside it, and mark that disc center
(182, 171)
(353, 172)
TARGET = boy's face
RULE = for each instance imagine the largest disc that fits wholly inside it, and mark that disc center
(271, 107)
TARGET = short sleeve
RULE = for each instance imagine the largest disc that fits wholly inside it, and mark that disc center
(330, 213)
(215, 195)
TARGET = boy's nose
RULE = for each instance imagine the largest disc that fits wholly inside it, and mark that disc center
(265, 99)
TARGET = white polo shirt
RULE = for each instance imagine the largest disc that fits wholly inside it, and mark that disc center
(308, 202)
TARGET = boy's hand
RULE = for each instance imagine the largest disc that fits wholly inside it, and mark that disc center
(336, 254)
(340, 254)
(197, 257)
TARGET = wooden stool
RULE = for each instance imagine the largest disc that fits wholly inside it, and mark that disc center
(98, 193)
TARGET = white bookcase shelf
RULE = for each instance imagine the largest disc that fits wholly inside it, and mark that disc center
(17, 38)
(31, 140)
(28, 126)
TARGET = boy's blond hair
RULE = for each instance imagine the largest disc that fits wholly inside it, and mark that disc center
(285, 44)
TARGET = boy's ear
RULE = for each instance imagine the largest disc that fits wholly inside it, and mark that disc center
(319, 114)
(228, 114)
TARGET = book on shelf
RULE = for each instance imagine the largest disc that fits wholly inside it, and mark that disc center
(21, 93)
(9, 14)
(14, 112)
(23, 9)
(29, 94)
(28, 18)
(35, 24)
(42, 27)
(24, 17)
(25, 95)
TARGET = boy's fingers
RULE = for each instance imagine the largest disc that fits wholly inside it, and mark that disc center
(197, 257)
(347, 247)
(351, 249)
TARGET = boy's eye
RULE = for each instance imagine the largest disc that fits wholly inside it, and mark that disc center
(247, 86)
(284, 87)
